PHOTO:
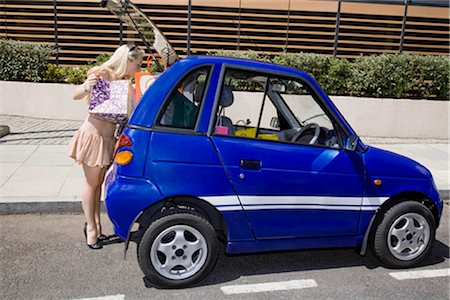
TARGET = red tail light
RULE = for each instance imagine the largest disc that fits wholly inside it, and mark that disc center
(122, 142)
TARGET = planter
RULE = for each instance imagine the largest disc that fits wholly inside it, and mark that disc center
(41, 100)
(397, 118)
(370, 117)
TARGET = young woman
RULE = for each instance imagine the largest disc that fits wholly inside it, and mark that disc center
(93, 143)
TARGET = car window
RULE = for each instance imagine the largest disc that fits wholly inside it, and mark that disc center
(301, 102)
(259, 106)
(181, 109)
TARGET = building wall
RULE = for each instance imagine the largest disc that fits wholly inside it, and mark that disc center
(84, 29)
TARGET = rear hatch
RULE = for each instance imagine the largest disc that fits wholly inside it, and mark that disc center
(151, 36)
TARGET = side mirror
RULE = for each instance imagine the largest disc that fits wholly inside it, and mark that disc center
(275, 123)
(351, 142)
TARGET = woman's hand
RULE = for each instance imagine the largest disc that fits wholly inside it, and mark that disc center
(89, 83)
(94, 76)
(85, 88)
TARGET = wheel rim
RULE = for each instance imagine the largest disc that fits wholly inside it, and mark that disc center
(408, 236)
(179, 252)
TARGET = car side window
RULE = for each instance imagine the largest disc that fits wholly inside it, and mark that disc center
(262, 106)
(182, 108)
(241, 99)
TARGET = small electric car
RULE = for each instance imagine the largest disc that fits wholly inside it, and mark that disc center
(255, 155)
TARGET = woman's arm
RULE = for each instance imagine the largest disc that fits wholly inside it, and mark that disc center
(94, 75)
(85, 88)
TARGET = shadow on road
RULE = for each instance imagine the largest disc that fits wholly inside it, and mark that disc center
(111, 239)
(229, 268)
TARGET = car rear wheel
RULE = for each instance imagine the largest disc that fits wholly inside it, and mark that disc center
(404, 236)
(178, 250)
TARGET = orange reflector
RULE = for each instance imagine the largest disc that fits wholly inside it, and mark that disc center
(123, 157)
(377, 182)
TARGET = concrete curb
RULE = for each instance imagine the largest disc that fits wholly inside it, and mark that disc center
(42, 205)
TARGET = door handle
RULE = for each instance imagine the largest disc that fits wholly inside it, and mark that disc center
(250, 164)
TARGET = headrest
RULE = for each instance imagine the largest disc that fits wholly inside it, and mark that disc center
(226, 97)
(198, 92)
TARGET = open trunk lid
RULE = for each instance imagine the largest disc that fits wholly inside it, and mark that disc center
(147, 30)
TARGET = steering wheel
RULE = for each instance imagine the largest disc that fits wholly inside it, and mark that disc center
(299, 133)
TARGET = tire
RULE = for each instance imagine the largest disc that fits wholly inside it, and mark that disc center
(178, 249)
(404, 235)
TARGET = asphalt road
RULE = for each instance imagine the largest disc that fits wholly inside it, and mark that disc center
(44, 257)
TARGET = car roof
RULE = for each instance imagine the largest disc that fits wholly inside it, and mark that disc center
(247, 63)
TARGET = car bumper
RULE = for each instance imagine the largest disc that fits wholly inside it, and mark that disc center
(126, 198)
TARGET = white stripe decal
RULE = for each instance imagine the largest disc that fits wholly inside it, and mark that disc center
(222, 200)
(374, 200)
(231, 202)
(228, 208)
(260, 200)
(325, 207)
(268, 287)
(368, 208)
(420, 274)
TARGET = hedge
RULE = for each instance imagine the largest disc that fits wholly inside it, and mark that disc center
(23, 61)
(332, 74)
(383, 76)
(386, 75)
(401, 76)
(71, 75)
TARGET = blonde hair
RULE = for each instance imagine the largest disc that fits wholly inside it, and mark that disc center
(117, 64)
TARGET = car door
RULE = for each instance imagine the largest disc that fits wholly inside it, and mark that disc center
(179, 158)
(288, 188)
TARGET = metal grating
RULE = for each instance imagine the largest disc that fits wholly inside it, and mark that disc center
(84, 29)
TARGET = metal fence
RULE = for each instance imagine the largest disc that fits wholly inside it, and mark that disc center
(80, 30)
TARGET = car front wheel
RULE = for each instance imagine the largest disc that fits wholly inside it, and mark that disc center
(404, 236)
(178, 250)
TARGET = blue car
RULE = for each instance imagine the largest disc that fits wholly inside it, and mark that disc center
(256, 156)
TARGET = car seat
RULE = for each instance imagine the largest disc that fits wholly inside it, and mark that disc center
(226, 100)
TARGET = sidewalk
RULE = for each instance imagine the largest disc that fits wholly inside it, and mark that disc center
(36, 175)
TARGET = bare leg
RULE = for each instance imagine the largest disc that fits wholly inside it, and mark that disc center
(98, 195)
(92, 175)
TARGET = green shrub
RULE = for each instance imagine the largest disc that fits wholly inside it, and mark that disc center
(332, 74)
(77, 75)
(315, 65)
(23, 61)
(71, 75)
(382, 76)
(101, 58)
(338, 78)
(242, 54)
(386, 75)
(431, 76)
(54, 73)
(401, 76)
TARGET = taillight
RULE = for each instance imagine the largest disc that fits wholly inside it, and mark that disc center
(123, 141)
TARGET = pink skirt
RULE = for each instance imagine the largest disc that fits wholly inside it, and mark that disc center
(93, 143)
